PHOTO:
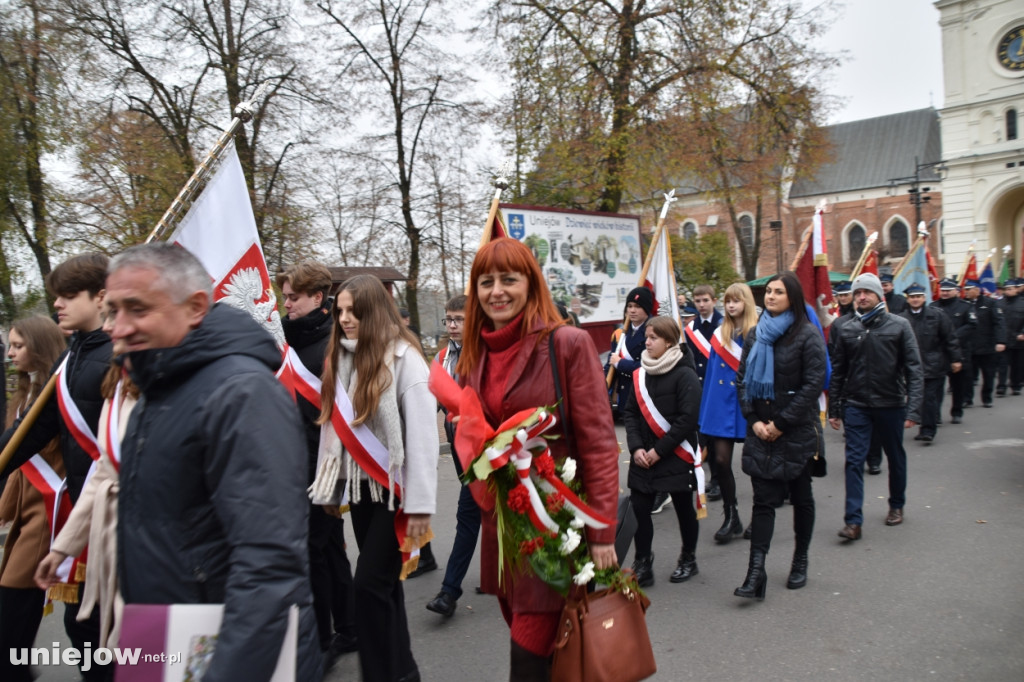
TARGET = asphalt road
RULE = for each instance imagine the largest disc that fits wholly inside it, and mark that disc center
(939, 598)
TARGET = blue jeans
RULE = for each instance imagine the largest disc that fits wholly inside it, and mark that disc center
(887, 425)
(467, 528)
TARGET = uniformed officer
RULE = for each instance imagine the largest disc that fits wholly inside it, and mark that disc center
(893, 301)
(1011, 365)
(990, 338)
(844, 297)
(940, 353)
(961, 314)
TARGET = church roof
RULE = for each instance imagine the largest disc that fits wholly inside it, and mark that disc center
(871, 152)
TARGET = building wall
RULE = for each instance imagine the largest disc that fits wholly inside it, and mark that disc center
(984, 183)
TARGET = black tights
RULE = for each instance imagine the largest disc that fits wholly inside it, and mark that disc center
(682, 503)
(726, 481)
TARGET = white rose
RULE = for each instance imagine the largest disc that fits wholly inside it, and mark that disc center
(585, 575)
(568, 469)
(570, 541)
(576, 523)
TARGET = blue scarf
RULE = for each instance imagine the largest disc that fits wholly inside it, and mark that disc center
(866, 317)
(760, 376)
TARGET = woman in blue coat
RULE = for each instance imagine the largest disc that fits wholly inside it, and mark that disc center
(720, 414)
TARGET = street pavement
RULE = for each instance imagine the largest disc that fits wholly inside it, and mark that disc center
(940, 597)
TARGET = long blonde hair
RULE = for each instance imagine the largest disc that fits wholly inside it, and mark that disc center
(44, 342)
(730, 330)
(379, 325)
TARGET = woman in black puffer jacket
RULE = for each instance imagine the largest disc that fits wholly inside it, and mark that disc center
(781, 375)
(665, 400)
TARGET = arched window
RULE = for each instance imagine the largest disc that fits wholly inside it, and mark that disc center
(747, 230)
(899, 239)
(689, 230)
(1011, 124)
(856, 237)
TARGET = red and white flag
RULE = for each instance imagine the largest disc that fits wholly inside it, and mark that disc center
(220, 230)
(812, 271)
(661, 279)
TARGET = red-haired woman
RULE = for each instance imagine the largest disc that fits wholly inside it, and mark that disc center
(510, 319)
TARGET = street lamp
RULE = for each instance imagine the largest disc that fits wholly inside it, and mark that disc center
(776, 227)
(918, 194)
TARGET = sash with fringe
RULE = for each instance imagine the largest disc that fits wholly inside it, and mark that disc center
(54, 490)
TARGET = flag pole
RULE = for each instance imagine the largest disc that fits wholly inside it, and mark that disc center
(658, 229)
(243, 114)
(501, 183)
(906, 259)
(864, 255)
(967, 259)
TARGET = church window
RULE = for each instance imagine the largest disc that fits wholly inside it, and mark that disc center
(747, 230)
(856, 237)
(689, 230)
(1011, 124)
(899, 239)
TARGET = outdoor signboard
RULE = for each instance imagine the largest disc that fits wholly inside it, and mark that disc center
(591, 260)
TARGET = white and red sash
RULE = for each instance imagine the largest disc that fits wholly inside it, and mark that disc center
(113, 429)
(73, 419)
(620, 349)
(297, 378)
(660, 426)
(697, 339)
(57, 501)
(373, 458)
(730, 353)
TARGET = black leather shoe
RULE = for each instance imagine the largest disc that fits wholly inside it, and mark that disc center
(714, 492)
(797, 571)
(685, 569)
(874, 469)
(956, 420)
(919, 437)
(443, 603)
(986, 404)
(424, 566)
(754, 585)
(926, 438)
(643, 568)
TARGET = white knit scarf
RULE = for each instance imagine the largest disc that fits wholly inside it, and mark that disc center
(663, 364)
(385, 424)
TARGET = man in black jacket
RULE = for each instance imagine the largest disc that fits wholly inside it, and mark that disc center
(961, 314)
(307, 330)
(1013, 316)
(877, 387)
(213, 475)
(989, 339)
(77, 284)
(893, 301)
(940, 353)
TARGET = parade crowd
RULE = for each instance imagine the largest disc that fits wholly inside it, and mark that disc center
(181, 458)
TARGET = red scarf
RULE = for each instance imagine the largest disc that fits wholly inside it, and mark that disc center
(502, 349)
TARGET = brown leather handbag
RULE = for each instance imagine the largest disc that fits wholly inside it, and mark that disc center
(603, 637)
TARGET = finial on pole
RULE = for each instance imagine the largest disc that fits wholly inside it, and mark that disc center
(670, 196)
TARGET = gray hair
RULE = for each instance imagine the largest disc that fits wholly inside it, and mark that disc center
(180, 273)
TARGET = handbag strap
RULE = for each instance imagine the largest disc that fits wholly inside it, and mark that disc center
(559, 396)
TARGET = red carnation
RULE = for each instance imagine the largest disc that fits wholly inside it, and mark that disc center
(519, 499)
(555, 502)
(545, 465)
(528, 547)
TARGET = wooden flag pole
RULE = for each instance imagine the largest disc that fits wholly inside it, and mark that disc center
(658, 229)
(501, 183)
(963, 268)
(243, 114)
(864, 255)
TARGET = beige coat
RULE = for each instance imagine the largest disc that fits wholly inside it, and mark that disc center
(93, 521)
(28, 539)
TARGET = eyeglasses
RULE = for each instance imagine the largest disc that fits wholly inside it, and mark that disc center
(457, 321)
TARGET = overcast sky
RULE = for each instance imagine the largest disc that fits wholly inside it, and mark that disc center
(893, 59)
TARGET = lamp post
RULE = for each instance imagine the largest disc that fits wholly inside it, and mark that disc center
(918, 194)
(776, 227)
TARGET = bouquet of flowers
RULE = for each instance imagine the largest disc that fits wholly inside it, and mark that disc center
(541, 515)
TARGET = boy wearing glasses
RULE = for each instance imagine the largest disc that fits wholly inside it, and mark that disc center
(467, 514)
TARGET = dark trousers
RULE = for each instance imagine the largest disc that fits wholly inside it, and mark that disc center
(984, 365)
(860, 423)
(467, 528)
(932, 407)
(86, 632)
(21, 611)
(682, 502)
(962, 384)
(385, 652)
(1013, 361)
(330, 576)
(1002, 371)
(768, 496)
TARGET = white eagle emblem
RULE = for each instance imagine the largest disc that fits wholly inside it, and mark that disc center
(245, 292)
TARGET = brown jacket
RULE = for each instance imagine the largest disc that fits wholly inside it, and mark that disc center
(594, 446)
(28, 539)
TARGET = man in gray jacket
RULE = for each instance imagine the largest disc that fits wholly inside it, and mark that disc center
(212, 503)
(877, 386)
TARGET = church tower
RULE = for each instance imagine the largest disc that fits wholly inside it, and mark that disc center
(982, 136)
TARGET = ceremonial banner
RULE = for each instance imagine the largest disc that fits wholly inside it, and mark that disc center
(176, 642)
(812, 271)
(220, 231)
(914, 270)
(591, 260)
(988, 278)
(933, 274)
(661, 280)
(970, 272)
(871, 263)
